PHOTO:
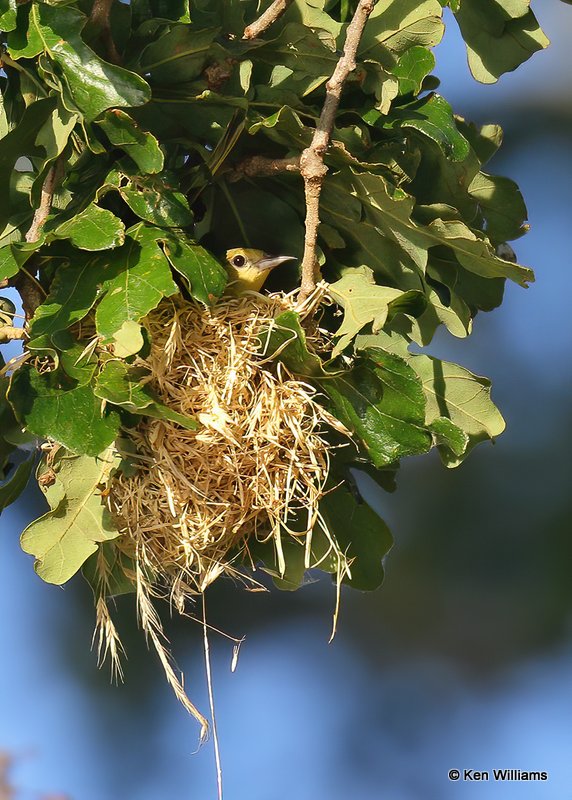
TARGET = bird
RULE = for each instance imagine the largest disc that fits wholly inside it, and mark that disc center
(248, 268)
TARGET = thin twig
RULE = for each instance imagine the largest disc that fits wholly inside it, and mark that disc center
(42, 212)
(266, 19)
(312, 165)
(30, 289)
(263, 167)
(236, 213)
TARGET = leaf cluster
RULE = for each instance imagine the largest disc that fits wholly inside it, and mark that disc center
(131, 139)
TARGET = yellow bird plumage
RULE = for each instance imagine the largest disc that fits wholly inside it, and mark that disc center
(248, 268)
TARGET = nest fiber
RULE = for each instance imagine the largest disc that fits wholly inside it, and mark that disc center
(257, 464)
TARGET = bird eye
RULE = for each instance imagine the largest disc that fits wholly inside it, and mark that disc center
(239, 261)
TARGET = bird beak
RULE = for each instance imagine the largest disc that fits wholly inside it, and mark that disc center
(269, 262)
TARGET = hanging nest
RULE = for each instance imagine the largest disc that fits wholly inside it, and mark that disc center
(255, 468)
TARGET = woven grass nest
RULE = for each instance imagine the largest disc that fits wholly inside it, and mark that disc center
(258, 458)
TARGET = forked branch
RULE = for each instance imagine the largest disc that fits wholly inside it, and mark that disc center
(312, 165)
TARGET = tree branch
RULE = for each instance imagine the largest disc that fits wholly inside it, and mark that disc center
(30, 290)
(263, 167)
(99, 20)
(312, 165)
(266, 19)
(42, 212)
(9, 334)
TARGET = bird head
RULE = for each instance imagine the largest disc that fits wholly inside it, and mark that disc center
(248, 269)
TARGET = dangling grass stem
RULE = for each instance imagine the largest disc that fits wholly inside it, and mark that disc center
(236, 213)
(206, 648)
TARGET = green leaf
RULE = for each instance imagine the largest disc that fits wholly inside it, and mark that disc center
(129, 282)
(454, 314)
(301, 50)
(72, 417)
(451, 392)
(499, 36)
(76, 363)
(128, 340)
(312, 15)
(206, 278)
(291, 577)
(472, 291)
(442, 184)
(361, 534)
(135, 279)
(74, 290)
(484, 139)
(251, 216)
(366, 242)
(396, 25)
(470, 248)
(382, 84)
(475, 254)
(285, 341)
(283, 127)
(90, 84)
(502, 205)
(432, 116)
(122, 131)
(121, 386)
(8, 264)
(8, 426)
(53, 136)
(92, 229)
(178, 56)
(364, 302)
(67, 535)
(157, 204)
(11, 489)
(381, 401)
(412, 68)
(449, 437)
(8, 11)
(389, 210)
